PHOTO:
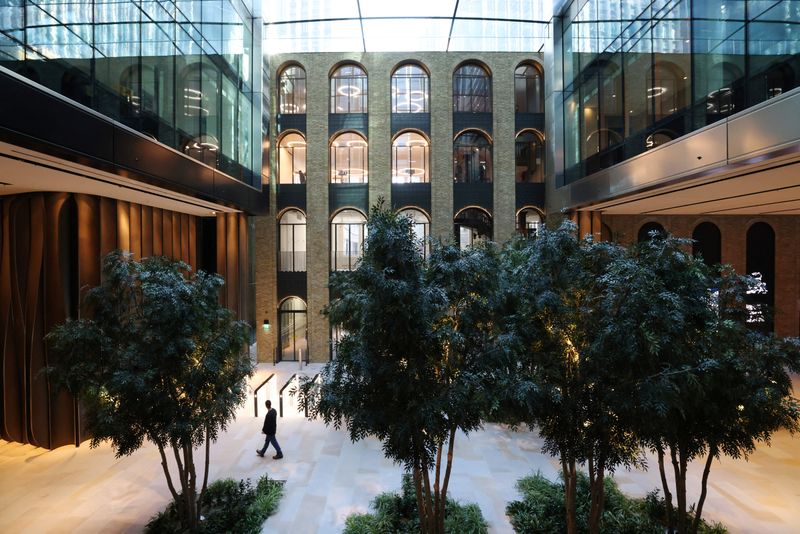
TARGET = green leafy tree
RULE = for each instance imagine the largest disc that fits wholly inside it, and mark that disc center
(410, 368)
(565, 381)
(161, 361)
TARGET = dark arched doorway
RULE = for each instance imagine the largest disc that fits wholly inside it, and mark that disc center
(761, 260)
(707, 243)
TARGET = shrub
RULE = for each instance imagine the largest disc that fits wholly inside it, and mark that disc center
(541, 509)
(228, 506)
(397, 513)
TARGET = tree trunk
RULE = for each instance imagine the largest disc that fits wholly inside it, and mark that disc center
(667, 494)
(597, 490)
(570, 479)
(207, 462)
(679, 466)
(712, 452)
(417, 475)
(448, 469)
(438, 505)
(165, 467)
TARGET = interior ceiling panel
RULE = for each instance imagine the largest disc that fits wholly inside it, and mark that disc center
(412, 25)
(774, 190)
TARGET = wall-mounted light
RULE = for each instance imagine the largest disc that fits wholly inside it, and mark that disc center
(265, 326)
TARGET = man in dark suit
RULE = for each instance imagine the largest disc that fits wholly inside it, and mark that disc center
(269, 428)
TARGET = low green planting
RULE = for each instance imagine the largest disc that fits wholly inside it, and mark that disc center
(227, 506)
(541, 509)
(397, 513)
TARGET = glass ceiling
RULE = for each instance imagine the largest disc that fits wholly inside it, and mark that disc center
(405, 25)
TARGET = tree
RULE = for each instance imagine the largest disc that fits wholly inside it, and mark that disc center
(708, 384)
(160, 361)
(565, 381)
(409, 368)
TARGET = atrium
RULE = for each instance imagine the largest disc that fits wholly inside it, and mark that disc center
(250, 139)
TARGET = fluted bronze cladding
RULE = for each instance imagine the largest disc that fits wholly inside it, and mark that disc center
(52, 245)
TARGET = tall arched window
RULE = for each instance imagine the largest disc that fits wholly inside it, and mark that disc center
(528, 89)
(292, 90)
(472, 158)
(349, 90)
(649, 230)
(410, 89)
(410, 158)
(471, 226)
(292, 159)
(529, 157)
(529, 222)
(421, 225)
(292, 315)
(292, 241)
(472, 89)
(707, 243)
(761, 260)
(348, 230)
(348, 159)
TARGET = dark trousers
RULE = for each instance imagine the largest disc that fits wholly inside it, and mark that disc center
(271, 439)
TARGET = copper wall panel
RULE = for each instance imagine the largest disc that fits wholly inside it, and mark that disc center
(158, 232)
(52, 245)
(123, 226)
(136, 230)
(147, 231)
(108, 225)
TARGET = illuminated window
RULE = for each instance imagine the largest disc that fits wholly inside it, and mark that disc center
(529, 158)
(410, 158)
(421, 226)
(529, 222)
(292, 241)
(472, 225)
(292, 159)
(410, 93)
(292, 316)
(471, 89)
(292, 90)
(348, 159)
(349, 90)
(472, 158)
(348, 230)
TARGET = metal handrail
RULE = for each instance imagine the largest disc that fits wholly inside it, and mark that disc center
(255, 393)
(280, 393)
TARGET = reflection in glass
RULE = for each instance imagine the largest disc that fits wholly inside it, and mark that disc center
(472, 225)
(348, 230)
(529, 157)
(292, 316)
(348, 159)
(292, 91)
(410, 158)
(528, 89)
(410, 93)
(349, 90)
(292, 241)
(292, 159)
(471, 89)
(472, 158)
(420, 225)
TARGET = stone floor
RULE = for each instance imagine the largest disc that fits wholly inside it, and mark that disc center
(327, 477)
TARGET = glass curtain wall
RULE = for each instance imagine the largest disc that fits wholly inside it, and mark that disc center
(638, 74)
(179, 72)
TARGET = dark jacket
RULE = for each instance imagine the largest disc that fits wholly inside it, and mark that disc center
(270, 422)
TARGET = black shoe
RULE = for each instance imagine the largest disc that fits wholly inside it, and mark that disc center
(278, 456)
(260, 453)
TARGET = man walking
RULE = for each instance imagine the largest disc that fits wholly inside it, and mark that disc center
(269, 428)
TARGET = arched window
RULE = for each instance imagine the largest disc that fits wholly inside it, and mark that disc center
(292, 316)
(529, 157)
(668, 90)
(421, 225)
(761, 260)
(528, 89)
(349, 90)
(472, 158)
(292, 159)
(410, 89)
(529, 222)
(348, 162)
(292, 90)
(410, 158)
(471, 226)
(472, 89)
(348, 230)
(647, 230)
(707, 243)
(292, 241)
